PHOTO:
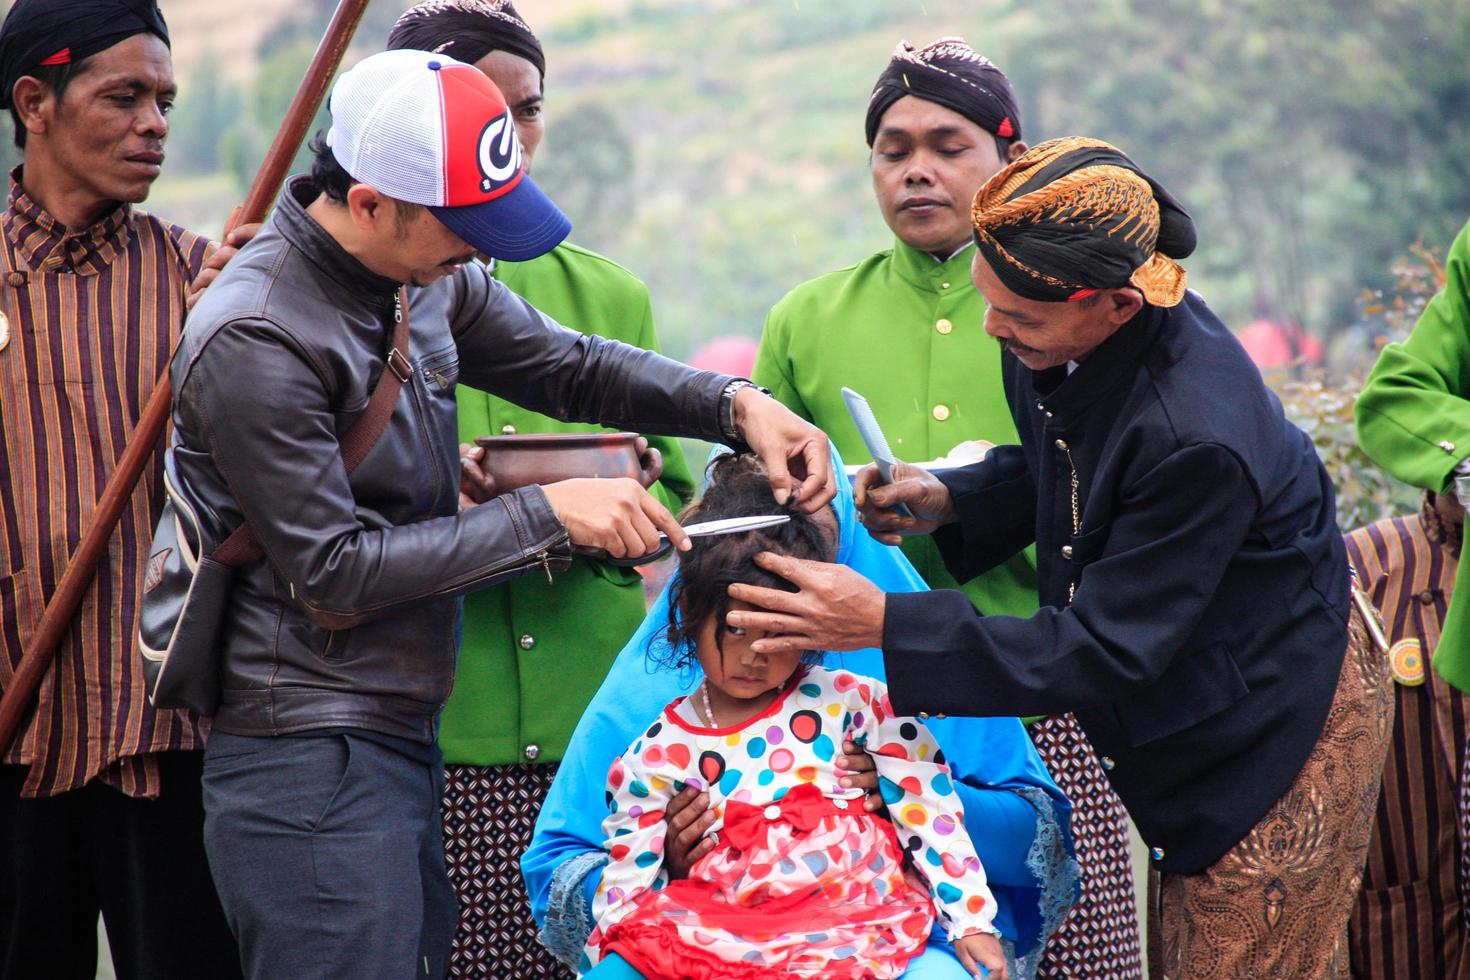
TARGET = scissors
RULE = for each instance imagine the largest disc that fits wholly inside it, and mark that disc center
(730, 525)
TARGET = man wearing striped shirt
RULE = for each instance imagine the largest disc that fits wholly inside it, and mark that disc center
(99, 794)
(1409, 918)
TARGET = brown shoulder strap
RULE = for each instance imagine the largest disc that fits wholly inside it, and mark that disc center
(241, 548)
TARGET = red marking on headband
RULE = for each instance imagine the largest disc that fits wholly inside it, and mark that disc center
(62, 57)
(1082, 294)
(1005, 130)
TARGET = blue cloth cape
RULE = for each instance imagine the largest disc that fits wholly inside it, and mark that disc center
(989, 756)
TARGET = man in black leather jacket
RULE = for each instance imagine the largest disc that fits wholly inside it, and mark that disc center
(321, 776)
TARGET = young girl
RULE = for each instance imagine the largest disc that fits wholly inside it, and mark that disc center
(802, 880)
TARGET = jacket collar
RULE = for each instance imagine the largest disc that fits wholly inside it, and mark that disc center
(920, 270)
(349, 279)
(44, 244)
(1114, 364)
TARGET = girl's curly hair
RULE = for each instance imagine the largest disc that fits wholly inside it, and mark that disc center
(737, 486)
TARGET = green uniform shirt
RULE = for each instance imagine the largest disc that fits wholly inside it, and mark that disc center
(1414, 420)
(905, 332)
(534, 652)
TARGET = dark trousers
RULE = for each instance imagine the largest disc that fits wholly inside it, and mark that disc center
(140, 863)
(329, 858)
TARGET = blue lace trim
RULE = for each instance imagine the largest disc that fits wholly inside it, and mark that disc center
(568, 919)
(1057, 875)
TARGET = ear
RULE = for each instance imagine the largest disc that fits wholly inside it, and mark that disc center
(1123, 304)
(368, 208)
(35, 103)
(1017, 149)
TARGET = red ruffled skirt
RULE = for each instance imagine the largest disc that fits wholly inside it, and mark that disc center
(802, 887)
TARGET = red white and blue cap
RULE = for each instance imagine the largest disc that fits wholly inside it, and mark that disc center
(424, 128)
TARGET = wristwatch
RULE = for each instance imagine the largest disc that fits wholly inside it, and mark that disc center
(728, 428)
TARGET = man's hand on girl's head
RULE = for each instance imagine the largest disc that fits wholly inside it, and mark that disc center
(836, 608)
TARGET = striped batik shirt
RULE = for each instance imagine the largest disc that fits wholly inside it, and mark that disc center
(1408, 919)
(90, 317)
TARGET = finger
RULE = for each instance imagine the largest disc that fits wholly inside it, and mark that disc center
(775, 462)
(700, 850)
(774, 600)
(794, 642)
(244, 233)
(800, 572)
(653, 467)
(206, 276)
(640, 446)
(647, 540)
(683, 809)
(690, 835)
(665, 521)
(818, 489)
(865, 480)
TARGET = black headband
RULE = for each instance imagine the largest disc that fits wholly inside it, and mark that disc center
(949, 73)
(467, 30)
(40, 33)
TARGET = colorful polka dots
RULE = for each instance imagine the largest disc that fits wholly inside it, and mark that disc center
(843, 857)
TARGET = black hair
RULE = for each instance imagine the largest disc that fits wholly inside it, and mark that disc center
(333, 180)
(327, 174)
(55, 77)
(1003, 146)
(737, 487)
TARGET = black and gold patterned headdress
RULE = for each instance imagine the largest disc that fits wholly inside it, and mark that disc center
(1073, 216)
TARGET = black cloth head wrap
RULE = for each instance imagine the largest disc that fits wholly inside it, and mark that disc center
(467, 30)
(58, 32)
(1073, 216)
(948, 72)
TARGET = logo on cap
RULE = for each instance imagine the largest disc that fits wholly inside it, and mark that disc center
(499, 153)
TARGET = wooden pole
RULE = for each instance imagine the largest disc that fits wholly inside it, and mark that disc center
(80, 570)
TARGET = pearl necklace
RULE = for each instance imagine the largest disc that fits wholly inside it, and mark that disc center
(709, 712)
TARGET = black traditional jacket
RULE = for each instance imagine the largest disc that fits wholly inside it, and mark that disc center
(1193, 583)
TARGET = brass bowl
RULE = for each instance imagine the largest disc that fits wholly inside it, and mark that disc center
(521, 461)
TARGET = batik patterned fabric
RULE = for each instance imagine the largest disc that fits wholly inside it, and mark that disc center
(803, 881)
(1277, 904)
(1408, 922)
(1072, 216)
(489, 812)
(1099, 937)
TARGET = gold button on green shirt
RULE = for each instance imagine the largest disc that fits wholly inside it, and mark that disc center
(904, 331)
(534, 652)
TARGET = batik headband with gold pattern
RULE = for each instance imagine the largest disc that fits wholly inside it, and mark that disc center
(1073, 216)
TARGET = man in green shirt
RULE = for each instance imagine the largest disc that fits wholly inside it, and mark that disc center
(903, 328)
(1414, 420)
(533, 652)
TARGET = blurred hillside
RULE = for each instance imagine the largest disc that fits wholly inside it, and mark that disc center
(715, 146)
